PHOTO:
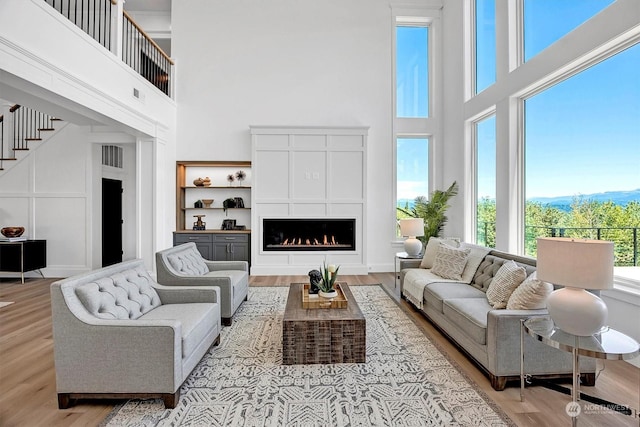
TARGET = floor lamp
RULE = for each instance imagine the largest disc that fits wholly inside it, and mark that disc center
(412, 228)
(576, 264)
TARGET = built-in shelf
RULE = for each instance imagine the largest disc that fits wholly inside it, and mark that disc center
(219, 190)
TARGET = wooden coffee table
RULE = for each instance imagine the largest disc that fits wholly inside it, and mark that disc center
(322, 335)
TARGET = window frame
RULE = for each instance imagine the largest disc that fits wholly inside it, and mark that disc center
(430, 127)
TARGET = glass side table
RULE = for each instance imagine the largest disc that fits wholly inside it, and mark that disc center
(401, 258)
(606, 344)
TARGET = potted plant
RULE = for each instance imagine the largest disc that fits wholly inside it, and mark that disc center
(329, 274)
(432, 211)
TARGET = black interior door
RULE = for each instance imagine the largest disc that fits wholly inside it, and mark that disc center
(111, 221)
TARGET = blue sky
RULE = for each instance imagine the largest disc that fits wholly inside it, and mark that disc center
(582, 136)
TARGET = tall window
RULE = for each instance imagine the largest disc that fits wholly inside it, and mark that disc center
(412, 170)
(412, 74)
(412, 110)
(582, 151)
(546, 21)
(485, 38)
(485, 136)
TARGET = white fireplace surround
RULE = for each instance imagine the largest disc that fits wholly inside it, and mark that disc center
(308, 172)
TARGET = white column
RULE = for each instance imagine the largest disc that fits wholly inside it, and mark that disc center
(117, 28)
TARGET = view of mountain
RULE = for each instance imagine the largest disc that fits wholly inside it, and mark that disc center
(564, 202)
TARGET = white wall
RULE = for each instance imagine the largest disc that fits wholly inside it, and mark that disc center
(287, 63)
(52, 200)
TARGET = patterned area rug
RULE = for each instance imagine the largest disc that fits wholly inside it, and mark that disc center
(405, 382)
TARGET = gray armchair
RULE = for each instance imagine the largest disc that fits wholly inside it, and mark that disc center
(183, 265)
(118, 334)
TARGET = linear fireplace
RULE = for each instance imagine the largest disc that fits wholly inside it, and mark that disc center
(304, 234)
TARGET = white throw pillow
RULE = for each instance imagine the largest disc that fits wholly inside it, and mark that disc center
(476, 255)
(449, 262)
(530, 295)
(432, 248)
(506, 280)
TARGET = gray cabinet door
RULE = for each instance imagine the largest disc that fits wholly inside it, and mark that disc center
(202, 241)
(231, 247)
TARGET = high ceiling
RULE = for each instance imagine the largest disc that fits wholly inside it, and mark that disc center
(148, 5)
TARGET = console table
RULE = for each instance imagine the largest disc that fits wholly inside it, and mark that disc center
(21, 256)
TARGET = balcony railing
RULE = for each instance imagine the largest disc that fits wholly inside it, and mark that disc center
(625, 239)
(142, 54)
(92, 16)
(138, 50)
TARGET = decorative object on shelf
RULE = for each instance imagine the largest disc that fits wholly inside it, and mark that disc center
(206, 181)
(198, 182)
(199, 224)
(10, 232)
(197, 204)
(240, 176)
(207, 202)
(329, 274)
(412, 228)
(576, 264)
(315, 277)
(432, 210)
(239, 202)
(228, 203)
(230, 178)
(228, 224)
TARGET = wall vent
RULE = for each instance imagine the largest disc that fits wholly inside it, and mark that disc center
(112, 156)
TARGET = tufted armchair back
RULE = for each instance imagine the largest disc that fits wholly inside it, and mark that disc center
(127, 294)
(188, 261)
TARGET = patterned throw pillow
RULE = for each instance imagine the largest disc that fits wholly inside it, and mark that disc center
(449, 262)
(432, 247)
(530, 295)
(506, 280)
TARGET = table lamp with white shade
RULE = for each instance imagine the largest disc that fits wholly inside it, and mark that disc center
(576, 264)
(412, 228)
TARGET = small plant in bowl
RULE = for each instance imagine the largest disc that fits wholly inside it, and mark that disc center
(329, 274)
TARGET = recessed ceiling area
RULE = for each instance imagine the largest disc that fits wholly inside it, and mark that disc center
(154, 17)
(148, 5)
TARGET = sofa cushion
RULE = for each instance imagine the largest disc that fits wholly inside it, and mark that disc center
(470, 315)
(197, 319)
(432, 248)
(530, 295)
(188, 262)
(235, 276)
(507, 279)
(436, 293)
(127, 294)
(449, 262)
(476, 255)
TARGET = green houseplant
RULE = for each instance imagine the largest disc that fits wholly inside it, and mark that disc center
(431, 210)
(329, 274)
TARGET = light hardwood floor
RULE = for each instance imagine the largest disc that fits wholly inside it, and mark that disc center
(27, 375)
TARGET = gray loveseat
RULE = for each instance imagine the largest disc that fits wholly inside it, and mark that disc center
(182, 265)
(118, 334)
(491, 337)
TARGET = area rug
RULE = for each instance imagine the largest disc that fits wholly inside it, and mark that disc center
(406, 381)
